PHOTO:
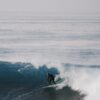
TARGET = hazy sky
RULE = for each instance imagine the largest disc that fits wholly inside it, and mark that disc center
(45, 6)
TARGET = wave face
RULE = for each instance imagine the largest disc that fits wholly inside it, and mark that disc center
(24, 74)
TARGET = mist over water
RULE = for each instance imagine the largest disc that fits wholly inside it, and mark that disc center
(69, 45)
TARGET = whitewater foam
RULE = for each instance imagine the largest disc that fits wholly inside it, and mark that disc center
(85, 79)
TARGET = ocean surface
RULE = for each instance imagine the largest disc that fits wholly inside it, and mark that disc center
(30, 47)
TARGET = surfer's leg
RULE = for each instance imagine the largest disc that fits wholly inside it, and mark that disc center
(49, 81)
(54, 82)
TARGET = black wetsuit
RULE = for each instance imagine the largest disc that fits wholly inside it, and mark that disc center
(51, 79)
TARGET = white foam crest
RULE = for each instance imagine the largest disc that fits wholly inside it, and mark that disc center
(86, 80)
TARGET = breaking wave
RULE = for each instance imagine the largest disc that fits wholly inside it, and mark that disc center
(23, 81)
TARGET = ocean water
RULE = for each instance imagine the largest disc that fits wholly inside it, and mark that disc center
(30, 47)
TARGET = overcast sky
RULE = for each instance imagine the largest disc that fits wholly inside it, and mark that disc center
(46, 6)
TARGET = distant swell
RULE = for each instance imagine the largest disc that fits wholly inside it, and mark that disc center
(80, 65)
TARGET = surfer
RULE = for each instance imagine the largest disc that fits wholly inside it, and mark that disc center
(51, 79)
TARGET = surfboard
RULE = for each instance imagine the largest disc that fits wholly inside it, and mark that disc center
(58, 82)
